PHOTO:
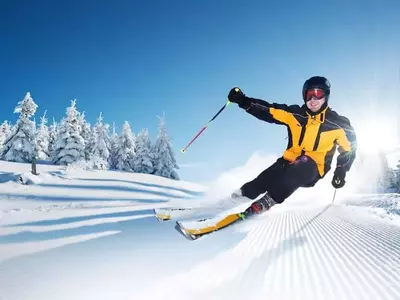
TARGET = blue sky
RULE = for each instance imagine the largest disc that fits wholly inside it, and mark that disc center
(134, 60)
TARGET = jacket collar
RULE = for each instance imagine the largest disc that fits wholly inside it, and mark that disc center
(319, 117)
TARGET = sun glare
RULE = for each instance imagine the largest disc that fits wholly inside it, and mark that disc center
(376, 136)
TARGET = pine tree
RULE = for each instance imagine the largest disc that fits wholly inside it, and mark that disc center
(397, 178)
(19, 145)
(5, 130)
(164, 157)
(42, 139)
(90, 144)
(86, 133)
(126, 149)
(69, 146)
(53, 130)
(112, 160)
(143, 162)
(386, 176)
(101, 146)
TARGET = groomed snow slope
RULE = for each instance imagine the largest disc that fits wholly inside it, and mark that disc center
(92, 235)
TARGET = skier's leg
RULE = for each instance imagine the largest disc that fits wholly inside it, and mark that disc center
(300, 173)
(254, 188)
(264, 180)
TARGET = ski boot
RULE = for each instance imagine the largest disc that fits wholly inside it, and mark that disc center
(261, 205)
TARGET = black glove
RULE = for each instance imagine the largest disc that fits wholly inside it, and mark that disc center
(338, 178)
(236, 96)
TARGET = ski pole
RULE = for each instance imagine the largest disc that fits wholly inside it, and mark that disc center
(334, 195)
(204, 128)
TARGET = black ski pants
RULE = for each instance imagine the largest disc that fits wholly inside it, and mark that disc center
(282, 178)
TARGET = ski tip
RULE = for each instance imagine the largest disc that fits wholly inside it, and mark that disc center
(161, 217)
(186, 234)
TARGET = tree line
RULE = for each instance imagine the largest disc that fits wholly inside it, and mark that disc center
(73, 140)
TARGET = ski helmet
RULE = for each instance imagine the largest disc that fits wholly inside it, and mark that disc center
(317, 82)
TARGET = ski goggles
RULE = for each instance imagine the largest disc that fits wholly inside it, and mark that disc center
(314, 93)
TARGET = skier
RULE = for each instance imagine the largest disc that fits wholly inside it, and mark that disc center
(314, 132)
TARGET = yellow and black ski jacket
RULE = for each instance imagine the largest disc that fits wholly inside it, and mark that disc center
(317, 136)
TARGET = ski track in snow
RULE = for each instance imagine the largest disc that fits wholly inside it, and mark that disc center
(327, 254)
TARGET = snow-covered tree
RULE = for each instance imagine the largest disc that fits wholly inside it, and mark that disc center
(53, 130)
(164, 157)
(86, 133)
(126, 149)
(112, 160)
(69, 146)
(386, 176)
(143, 161)
(42, 139)
(19, 145)
(101, 145)
(90, 144)
(397, 177)
(5, 130)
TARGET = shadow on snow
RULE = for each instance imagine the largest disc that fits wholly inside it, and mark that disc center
(69, 220)
(146, 248)
(77, 199)
(165, 187)
(110, 188)
(7, 176)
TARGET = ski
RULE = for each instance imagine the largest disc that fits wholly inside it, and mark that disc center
(193, 229)
(166, 214)
(199, 210)
(198, 228)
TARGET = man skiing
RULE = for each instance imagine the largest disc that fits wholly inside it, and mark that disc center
(314, 132)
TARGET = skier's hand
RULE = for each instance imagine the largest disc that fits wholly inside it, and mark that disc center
(236, 95)
(338, 178)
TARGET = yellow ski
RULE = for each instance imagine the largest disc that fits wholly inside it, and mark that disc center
(195, 229)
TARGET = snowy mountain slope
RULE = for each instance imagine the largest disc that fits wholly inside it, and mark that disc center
(91, 235)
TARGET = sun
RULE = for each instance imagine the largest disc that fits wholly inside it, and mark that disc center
(375, 136)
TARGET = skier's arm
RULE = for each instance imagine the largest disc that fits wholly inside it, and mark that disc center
(269, 112)
(261, 109)
(347, 142)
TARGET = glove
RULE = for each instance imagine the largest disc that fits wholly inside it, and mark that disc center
(338, 178)
(236, 96)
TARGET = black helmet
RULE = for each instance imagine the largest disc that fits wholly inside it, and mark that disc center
(317, 82)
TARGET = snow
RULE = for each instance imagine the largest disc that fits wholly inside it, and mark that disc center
(70, 233)
(382, 206)
(11, 250)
